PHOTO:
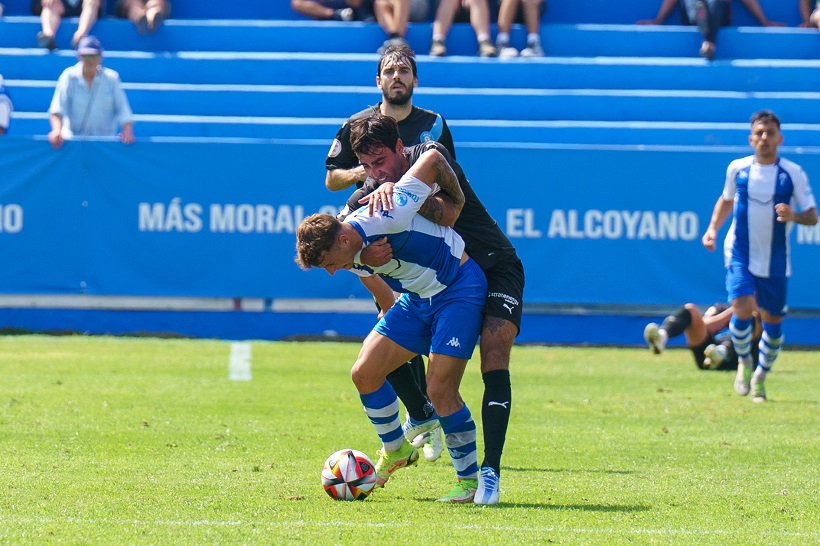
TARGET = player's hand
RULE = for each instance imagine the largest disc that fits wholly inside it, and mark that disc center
(709, 238)
(380, 199)
(784, 212)
(377, 253)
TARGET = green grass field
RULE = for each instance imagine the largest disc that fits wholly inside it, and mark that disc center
(146, 441)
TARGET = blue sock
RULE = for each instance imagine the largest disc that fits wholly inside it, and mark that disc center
(382, 408)
(741, 332)
(770, 345)
(460, 437)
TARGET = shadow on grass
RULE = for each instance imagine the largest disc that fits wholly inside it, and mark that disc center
(579, 507)
(567, 470)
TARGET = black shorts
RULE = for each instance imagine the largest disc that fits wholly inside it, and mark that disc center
(729, 363)
(70, 11)
(505, 290)
(697, 350)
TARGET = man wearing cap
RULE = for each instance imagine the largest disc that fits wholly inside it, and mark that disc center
(5, 109)
(89, 99)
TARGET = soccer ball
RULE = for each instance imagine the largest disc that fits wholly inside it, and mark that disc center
(348, 475)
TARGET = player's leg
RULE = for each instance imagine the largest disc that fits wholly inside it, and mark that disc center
(502, 322)
(771, 295)
(687, 319)
(740, 285)
(395, 339)
(457, 318)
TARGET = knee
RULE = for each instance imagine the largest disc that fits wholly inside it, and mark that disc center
(363, 382)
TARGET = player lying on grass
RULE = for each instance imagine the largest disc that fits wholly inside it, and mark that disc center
(438, 313)
(707, 335)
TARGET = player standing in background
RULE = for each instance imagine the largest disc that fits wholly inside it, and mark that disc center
(760, 191)
(396, 77)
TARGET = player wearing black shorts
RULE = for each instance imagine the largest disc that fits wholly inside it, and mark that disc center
(487, 244)
(706, 335)
(396, 77)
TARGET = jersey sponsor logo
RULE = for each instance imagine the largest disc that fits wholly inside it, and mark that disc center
(509, 301)
(335, 148)
(401, 195)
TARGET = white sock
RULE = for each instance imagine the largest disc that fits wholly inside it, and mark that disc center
(503, 39)
(483, 37)
(664, 337)
(533, 39)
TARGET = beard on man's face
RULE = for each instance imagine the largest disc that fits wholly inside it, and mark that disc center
(398, 97)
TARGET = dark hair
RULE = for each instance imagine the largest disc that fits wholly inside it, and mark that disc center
(375, 131)
(765, 116)
(399, 54)
(315, 236)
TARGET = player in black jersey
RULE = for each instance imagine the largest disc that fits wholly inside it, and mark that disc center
(487, 244)
(396, 77)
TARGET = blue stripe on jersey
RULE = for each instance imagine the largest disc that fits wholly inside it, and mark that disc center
(437, 128)
(782, 194)
(740, 250)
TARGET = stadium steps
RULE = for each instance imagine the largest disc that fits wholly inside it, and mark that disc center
(629, 133)
(559, 40)
(190, 80)
(459, 103)
(277, 68)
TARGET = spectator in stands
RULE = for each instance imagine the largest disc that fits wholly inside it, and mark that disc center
(709, 16)
(531, 12)
(51, 13)
(477, 12)
(392, 16)
(5, 109)
(89, 99)
(147, 15)
(337, 10)
(809, 16)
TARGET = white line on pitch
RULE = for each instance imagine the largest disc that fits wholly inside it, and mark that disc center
(239, 364)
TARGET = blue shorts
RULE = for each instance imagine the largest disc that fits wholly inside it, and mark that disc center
(449, 323)
(770, 293)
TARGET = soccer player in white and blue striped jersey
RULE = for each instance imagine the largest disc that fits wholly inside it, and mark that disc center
(764, 193)
(438, 313)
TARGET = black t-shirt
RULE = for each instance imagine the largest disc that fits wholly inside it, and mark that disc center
(484, 240)
(420, 126)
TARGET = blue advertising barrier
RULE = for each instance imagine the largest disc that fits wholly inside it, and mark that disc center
(595, 226)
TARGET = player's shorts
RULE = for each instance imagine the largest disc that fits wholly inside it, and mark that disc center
(770, 293)
(449, 323)
(697, 350)
(505, 290)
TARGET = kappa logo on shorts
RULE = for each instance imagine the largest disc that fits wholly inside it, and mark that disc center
(454, 343)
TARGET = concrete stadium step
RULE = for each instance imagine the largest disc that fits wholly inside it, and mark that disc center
(559, 40)
(588, 11)
(457, 103)
(360, 69)
(464, 131)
